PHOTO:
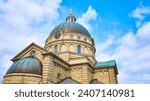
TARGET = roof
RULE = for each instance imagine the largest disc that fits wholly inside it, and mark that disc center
(111, 63)
(24, 50)
(68, 80)
(28, 64)
(94, 81)
(106, 63)
(67, 27)
(71, 26)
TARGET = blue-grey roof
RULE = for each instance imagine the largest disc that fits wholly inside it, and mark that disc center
(68, 80)
(26, 65)
(94, 81)
(106, 63)
(71, 27)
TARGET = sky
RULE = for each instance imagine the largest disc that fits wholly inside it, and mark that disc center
(120, 28)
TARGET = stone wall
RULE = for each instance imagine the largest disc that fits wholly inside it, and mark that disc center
(59, 69)
(112, 76)
(66, 44)
(52, 66)
(81, 73)
(105, 75)
(22, 78)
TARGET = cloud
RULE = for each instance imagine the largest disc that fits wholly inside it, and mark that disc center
(23, 22)
(4, 64)
(102, 54)
(144, 33)
(131, 54)
(86, 17)
(139, 13)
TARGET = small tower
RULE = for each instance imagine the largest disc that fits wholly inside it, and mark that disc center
(70, 18)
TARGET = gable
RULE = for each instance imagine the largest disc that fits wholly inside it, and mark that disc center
(26, 52)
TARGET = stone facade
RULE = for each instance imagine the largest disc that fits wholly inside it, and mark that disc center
(68, 52)
(21, 78)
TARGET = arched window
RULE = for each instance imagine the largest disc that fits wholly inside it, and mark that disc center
(71, 36)
(79, 37)
(78, 49)
(85, 39)
(59, 77)
(56, 49)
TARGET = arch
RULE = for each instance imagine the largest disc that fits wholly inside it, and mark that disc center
(78, 49)
(59, 77)
(63, 48)
(56, 49)
(71, 48)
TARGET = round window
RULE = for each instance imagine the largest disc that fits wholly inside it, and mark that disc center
(57, 35)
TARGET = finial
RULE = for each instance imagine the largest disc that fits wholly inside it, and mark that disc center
(70, 18)
(70, 11)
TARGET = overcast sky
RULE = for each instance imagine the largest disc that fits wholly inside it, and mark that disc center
(121, 30)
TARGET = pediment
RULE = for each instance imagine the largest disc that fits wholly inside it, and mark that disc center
(25, 52)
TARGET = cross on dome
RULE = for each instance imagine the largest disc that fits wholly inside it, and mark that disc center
(71, 18)
(70, 11)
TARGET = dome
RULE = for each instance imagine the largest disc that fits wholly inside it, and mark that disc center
(26, 65)
(67, 27)
(71, 26)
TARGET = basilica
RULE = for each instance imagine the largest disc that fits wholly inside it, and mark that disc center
(68, 57)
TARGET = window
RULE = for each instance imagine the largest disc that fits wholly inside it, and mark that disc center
(71, 36)
(59, 77)
(32, 53)
(85, 39)
(93, 42)
(79, 37)
(56, 49)
(78, 49)
(57, 35)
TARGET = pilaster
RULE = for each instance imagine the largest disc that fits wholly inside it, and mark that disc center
(85, 75)
(48, 65)
(112, 76)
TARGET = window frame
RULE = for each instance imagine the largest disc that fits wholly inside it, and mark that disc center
(79, 37)
(85, 39)
(79, 49)
(71, 36)
(56, 49)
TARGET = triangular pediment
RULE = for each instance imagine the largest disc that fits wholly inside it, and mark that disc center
(25, 52)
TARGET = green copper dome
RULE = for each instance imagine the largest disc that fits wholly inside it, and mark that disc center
(26, 65)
